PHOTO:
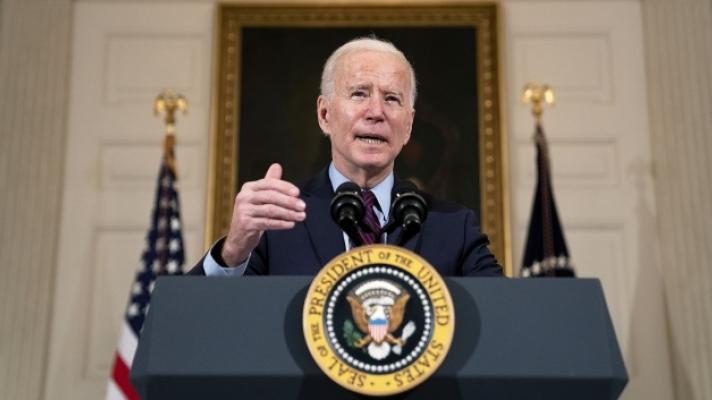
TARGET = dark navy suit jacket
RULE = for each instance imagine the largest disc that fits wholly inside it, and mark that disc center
(450, 239)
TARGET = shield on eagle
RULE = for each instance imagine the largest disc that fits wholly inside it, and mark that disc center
(377, 307)
(377, 327)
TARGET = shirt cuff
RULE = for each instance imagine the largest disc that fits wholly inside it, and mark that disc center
(213, 268)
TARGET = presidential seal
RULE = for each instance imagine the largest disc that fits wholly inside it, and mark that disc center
(378, 320)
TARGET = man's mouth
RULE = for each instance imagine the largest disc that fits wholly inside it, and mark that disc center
(370, 139)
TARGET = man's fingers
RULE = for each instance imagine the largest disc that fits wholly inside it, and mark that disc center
(277, 198)
(266, 224)
(275, 184)
(272, 181)
(274, 172)
(272, 211)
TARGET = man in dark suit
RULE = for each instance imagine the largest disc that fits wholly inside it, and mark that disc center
(368, 91)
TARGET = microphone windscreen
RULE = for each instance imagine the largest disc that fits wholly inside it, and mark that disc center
(405, 186)
(347, 209)
(348, 186)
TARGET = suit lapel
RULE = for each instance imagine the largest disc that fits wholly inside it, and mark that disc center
(326, 237)
(395, 236)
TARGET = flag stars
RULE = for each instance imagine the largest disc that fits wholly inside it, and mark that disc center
(536, 268)
(174, 246)
(562, 261)
(137, 288)
(172, 267)
(133, 310)
(175, 224)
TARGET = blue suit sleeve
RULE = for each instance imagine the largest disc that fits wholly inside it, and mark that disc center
(477, 260)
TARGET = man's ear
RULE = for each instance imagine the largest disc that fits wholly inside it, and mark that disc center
(322, 114)
(410, 126)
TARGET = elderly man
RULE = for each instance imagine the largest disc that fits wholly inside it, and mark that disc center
(368, 92)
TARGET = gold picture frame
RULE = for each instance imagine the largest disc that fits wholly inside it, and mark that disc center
(235, 21)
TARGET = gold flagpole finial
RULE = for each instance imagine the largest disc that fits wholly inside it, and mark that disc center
(169, 103)
(538, 95)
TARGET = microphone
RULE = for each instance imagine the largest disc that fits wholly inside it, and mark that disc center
(409, 210)
(347, 209)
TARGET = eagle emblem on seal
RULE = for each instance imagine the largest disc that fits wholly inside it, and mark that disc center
(378, 307)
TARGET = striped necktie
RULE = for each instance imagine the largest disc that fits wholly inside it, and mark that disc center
(371, 227)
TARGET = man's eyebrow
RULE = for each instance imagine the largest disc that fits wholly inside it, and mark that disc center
(360, 86)
(393, 92)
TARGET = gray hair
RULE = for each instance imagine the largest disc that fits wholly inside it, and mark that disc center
(362, 44)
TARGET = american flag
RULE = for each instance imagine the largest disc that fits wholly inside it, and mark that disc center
(163, 255)
(545, 253)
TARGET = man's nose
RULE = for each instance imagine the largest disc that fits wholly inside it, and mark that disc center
(374, 113)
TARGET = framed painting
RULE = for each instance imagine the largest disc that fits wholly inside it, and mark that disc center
(268, 70)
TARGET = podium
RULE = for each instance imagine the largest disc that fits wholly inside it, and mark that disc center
(222, 338)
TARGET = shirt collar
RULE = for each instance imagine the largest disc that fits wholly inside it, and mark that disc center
(382, 190)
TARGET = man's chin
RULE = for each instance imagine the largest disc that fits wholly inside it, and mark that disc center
(371, 163)
(374, 167)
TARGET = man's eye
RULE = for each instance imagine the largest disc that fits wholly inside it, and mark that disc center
(358, 94)
(393, 99)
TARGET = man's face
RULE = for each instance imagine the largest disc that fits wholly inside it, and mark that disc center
(369, 116)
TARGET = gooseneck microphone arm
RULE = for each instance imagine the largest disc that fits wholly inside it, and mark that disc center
(347, 210)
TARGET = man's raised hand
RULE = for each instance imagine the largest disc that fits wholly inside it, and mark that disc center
(268, 203)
